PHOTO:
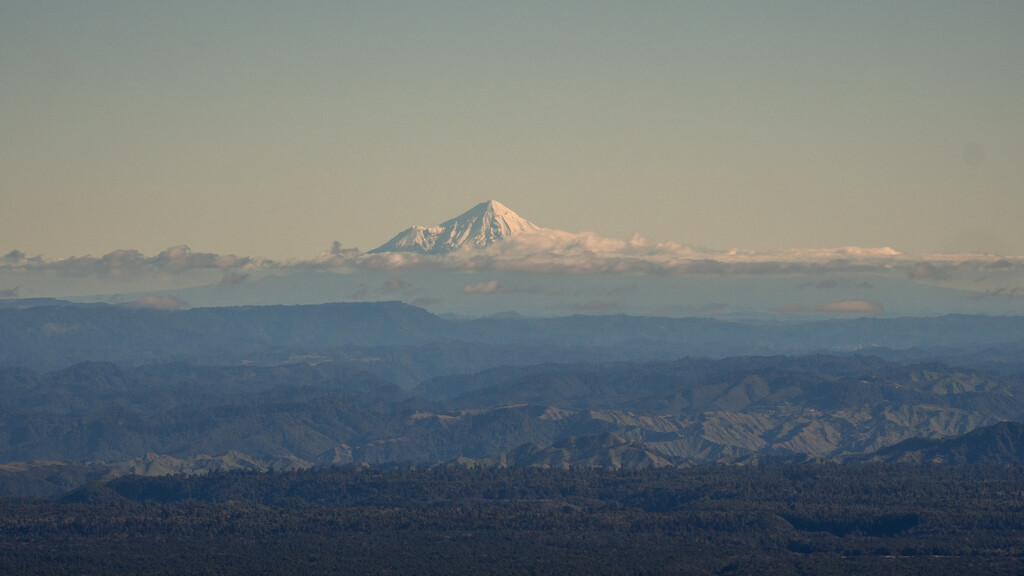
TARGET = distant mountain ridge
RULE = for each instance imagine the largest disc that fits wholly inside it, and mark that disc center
(481, 226)
(52, 337)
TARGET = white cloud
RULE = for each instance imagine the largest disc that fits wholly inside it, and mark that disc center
(128, 263)
(543, 251)
(494, 287)
(556, 251)
(838, 307)
(928, 271)
(491, 287)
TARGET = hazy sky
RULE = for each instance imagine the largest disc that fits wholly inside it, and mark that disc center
(271, 128)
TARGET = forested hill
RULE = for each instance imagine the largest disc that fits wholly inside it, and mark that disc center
(620, 414)
(1001, 444)
(102, 390)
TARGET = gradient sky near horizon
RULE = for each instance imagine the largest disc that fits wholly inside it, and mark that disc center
(271, 129)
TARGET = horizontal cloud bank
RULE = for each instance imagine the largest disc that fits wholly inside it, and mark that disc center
(129, 263)
(556, 252)
(544, 251)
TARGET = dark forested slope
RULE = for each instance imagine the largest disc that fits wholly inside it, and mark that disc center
(1001, 444)
(810, 519)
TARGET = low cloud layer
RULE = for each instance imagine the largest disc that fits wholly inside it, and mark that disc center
(129, 263)
(554, 251)
(544, 251)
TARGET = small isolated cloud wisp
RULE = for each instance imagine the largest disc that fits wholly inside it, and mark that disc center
(838, 307)
(155, 302)
(233, 278)
(592, 306)
(491, 287)
(395, 285)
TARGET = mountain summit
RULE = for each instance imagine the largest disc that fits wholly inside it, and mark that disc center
(481, 226)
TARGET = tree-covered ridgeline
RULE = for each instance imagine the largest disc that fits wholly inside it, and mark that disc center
(812, 519)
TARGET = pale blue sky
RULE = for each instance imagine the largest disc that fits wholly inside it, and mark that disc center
(271, 129)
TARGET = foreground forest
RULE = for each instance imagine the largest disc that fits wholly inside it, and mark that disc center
(785, 519)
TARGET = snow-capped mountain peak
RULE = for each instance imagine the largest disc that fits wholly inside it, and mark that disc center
(480, 226)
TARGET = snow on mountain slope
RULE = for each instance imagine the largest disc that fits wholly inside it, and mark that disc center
(481, 226)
